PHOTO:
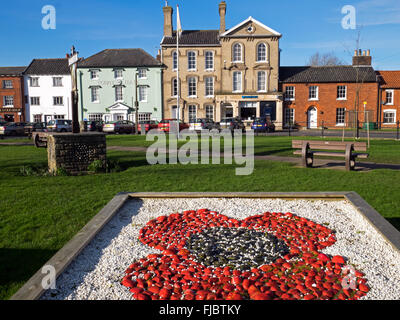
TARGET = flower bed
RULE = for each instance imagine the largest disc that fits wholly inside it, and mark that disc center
(308, 254)
(206, 255)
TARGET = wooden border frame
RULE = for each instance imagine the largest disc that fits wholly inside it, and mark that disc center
(33, 290)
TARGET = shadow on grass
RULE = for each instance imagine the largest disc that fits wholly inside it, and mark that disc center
(18, 265)
(395, 222)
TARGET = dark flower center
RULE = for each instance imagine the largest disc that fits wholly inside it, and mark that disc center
(238, 248)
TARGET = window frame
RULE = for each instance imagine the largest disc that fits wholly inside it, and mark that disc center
(8, 98)
(206, 61)
(57, 99)
(338, 116)
(119, 93)
(143, 96)
(259, 89)
(116, 72)
(95, 116)
(55, 80)
(174, 60)
(207, 87)
(140, 73)
(192, 54)
(207, 113)
(7, 87)
(391, 91)
(97, 88)
(32, 81)
(234, 60)
(94, 72)
(394, 111)
(316, 98)
(291, 115)
(190, 87)
(190, 112)
(338, 91)
(292, 97)
(237, 90)
(33, 102)
(265, 52)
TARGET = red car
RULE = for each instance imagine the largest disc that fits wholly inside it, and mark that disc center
(164, 125)
(149, 125)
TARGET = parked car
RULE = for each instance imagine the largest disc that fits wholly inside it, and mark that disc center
(35, 127)
(94, 126)
(59, 126)
(165, 124)
(263, 125)
(149, 125)
(232, 124)
(204, 124)
(122, 126)
(12, 129)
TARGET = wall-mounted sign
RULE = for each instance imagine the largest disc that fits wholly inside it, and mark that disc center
(249, 97)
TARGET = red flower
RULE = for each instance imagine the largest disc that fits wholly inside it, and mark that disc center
(302, 273)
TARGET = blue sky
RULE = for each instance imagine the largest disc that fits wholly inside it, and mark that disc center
(307, 26)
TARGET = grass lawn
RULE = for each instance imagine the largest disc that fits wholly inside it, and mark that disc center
(38, 215)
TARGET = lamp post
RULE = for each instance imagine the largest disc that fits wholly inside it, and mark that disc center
(73, 63)
(136, 104)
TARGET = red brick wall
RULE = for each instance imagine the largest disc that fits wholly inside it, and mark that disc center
(18, 92)
(327, 102)
(395, 106)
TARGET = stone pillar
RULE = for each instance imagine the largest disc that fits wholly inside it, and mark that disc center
(75, 152)
(258, 109)
(235, 106)
(218, 107)
(279, 115)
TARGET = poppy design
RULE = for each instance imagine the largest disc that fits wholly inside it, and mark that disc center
(209, 256)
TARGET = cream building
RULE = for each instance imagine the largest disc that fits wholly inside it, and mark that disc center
(222, 73)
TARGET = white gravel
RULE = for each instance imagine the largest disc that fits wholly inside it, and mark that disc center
(96, 273)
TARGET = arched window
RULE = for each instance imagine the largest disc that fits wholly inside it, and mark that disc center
(175, 87)
(237, 53)
(175, 60)
(262, 52)
(191, 60)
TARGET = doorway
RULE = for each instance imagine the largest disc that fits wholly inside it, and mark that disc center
(312, 118)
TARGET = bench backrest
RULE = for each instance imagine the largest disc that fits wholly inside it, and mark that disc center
(329, 145)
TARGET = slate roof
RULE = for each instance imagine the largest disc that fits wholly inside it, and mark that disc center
(389, 79)
(120, 58)
(11, 71)
(194, 37)
(48, 67)
(326, 74)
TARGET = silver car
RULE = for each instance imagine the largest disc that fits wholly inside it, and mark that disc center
(119, 127)
(59, 126)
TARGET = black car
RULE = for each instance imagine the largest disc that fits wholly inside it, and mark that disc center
(94, 126)
(233, 124)
(204, 124)
(263, 125)
(35, 127)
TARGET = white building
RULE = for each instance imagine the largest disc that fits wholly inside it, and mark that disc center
(48, 85)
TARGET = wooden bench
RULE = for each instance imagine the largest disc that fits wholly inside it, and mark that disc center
(40, 139)
(350, 151)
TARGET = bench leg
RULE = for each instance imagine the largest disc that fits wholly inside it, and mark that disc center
(306, 156)
(350, 159)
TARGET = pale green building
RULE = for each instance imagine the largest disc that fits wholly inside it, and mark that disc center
(110, 81)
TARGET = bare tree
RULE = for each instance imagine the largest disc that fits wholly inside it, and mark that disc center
(326, 59)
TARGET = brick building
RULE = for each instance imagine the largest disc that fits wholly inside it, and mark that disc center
(389, 112)
(330, 94)
(12, 106)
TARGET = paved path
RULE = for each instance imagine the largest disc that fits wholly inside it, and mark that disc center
(318, 163)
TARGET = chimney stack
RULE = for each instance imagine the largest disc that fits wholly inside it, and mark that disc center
(222, 14)
(362, 58)
(168, 11)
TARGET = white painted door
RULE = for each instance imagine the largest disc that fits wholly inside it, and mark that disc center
(312, 118)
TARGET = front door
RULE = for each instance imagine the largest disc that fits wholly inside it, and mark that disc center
(312, 118)
(48, 118)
